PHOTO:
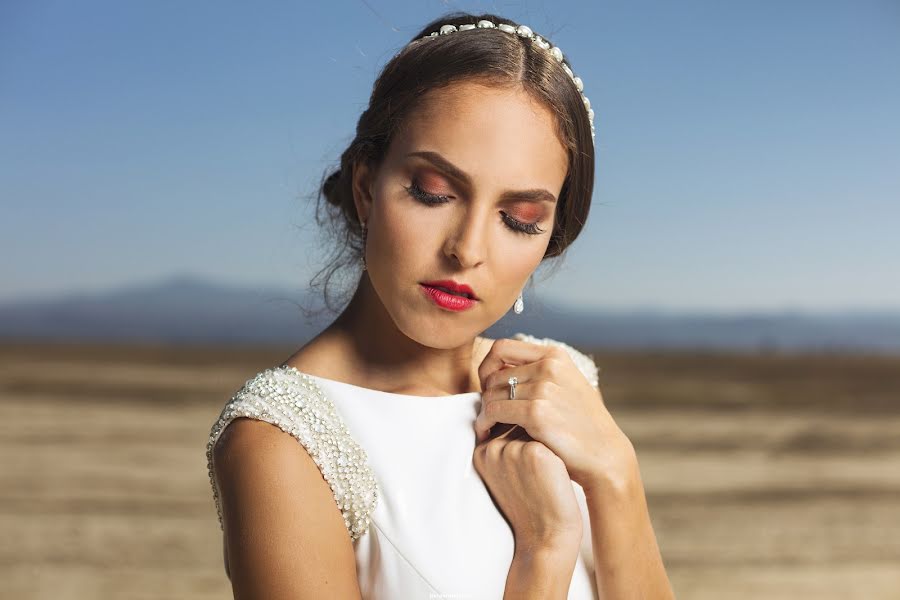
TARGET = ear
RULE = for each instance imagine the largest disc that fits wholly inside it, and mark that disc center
(362, 183)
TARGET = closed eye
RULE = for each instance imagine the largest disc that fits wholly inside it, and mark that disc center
(424, 197)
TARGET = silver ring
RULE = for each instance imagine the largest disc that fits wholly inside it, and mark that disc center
(512, 387)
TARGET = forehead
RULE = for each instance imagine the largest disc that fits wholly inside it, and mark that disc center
(498, 136)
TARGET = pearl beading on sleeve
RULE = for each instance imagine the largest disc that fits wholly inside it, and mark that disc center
(584, 362)
(293, 401)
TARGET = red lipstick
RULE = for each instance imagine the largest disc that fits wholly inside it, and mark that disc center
(449, 294)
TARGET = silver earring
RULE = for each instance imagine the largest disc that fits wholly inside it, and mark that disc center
(520, 305)
(363, 245)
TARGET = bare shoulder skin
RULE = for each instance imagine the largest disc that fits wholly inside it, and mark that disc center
(284, 533)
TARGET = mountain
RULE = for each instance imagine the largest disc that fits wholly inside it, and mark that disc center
(186, 309)
(177, 310)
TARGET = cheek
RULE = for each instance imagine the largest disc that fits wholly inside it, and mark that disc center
(399, 238)
(402, 228)
(513, 262)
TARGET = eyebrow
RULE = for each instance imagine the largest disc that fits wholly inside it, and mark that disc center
(533, 195)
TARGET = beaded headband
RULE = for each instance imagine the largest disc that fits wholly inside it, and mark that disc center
(526, 32)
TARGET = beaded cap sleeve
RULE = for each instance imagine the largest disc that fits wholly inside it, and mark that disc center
(293, 401)
(584, 362)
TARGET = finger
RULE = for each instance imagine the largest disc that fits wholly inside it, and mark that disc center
(515, 440)
(496, 431)
(504, 431)
(499, 380)
(515, 412)
(507, 351)
(524, 392)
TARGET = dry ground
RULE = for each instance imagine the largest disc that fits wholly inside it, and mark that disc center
(768, 476)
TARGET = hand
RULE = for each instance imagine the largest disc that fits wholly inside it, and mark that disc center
(556, 405)
(533, 490)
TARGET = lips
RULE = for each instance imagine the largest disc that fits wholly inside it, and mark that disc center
(447, 300)
(452, 287)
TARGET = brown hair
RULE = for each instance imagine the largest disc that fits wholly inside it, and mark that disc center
(493, 58)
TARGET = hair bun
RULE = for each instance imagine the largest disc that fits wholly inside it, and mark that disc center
(328, 188)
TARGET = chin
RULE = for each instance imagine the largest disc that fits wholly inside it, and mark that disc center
(439, 333)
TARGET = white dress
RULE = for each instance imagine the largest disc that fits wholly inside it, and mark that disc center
(421, 520)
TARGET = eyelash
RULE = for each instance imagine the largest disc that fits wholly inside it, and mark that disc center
(431, 199)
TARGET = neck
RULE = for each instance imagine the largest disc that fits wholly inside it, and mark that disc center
(387, 359)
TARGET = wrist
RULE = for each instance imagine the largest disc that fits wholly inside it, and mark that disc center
(623, 484)
(541, 572)
(558, 549)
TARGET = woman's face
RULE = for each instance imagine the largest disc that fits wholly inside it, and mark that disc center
(491, 161)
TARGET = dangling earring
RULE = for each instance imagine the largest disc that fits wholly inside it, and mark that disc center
(520, 305)
(363, 245)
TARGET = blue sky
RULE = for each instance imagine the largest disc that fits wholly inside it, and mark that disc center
(748, 152)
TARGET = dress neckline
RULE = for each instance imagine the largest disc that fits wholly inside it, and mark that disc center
(297, 372)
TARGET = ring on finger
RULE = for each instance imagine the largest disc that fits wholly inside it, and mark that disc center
(512, 381)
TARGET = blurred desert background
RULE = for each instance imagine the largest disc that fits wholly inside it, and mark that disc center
(769, 475)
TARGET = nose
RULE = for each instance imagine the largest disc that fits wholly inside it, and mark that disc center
(467, 241)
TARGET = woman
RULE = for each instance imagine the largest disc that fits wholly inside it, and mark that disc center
(472, 164)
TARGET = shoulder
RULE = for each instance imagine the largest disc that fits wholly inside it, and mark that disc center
(585, 362)
(282, 534)
(295, 404)
(254, 464)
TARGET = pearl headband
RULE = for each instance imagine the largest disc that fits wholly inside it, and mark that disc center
(525, 32)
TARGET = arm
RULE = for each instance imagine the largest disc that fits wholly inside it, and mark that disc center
(542, 573)
(627, 560)
(285, 536)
